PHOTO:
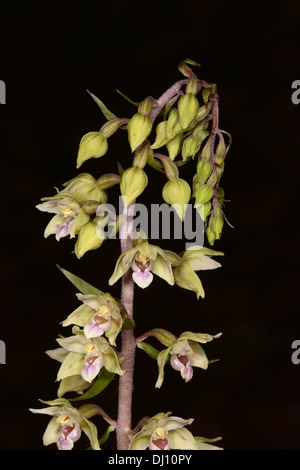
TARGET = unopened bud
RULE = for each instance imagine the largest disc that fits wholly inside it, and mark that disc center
(145, 106)
(192, 86)
(110, 127)
(204, 194)
(188, 107)
(133, 182)
(142, 156)
(204, 169)
(177, 193)
(92, 145)
(174, 146)
(161, 135)
(107, 181)
(88, 239)
(139, 128)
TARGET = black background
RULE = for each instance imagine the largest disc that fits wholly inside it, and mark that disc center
(51, 52)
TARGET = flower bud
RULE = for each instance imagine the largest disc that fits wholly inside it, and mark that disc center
(88, 239)
(204, 169)
(188, 107)
(110, 127)
(139, 127)
(192, 86)
(161, 135)
(173, 124)
(107, 181)
(92, 145)
(142, 156)
(204, 194)
(133, 182)
(177, 193)
(173, 146)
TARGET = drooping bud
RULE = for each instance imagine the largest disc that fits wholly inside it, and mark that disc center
(110, 127)
(192, 86)
(141, 158)
(177, 193)
(204, 169)
(174, 146)
(188, 107)
(133, 182)
(204, 194)
(88, 239)
(161, 135)
(92, 145)
(139, 128)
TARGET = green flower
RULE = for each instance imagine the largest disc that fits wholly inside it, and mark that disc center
(69, 215)
(67, 423)
(82, 360)
(164, 432)
(194, 259)
(98, 315)
(144, 259)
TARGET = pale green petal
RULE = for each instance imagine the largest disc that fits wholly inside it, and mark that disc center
(52, 432)
(58, 354)
(182, 439)
(74, 343)
(72, 365)
(186, 278)
(52, 228)
(122, 265)
(163, 269)
(199, 337)
(174, 422)
(161, 362)
(80, 317)
(74, 383)
(91, 431)
(198, 358)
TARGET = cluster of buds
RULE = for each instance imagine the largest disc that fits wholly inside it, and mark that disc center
(187, 129)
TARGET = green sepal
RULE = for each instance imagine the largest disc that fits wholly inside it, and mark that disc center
(83, 286)
(108, 114)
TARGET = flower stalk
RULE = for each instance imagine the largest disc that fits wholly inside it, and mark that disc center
(128, 344)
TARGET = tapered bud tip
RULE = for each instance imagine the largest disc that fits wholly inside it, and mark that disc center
(177, 193)
(188, 107)
(133, 182)
(92, 145)
(139, 127)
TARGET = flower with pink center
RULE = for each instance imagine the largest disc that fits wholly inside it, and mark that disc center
(67, 423)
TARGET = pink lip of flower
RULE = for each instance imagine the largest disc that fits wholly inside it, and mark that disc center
(69, 435)
(92, 366)
(63, 230)
(141, 273)
(182, 364)
(97, 326)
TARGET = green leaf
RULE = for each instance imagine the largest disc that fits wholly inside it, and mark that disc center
(103, 380)
(108, 114)
(83, 286)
